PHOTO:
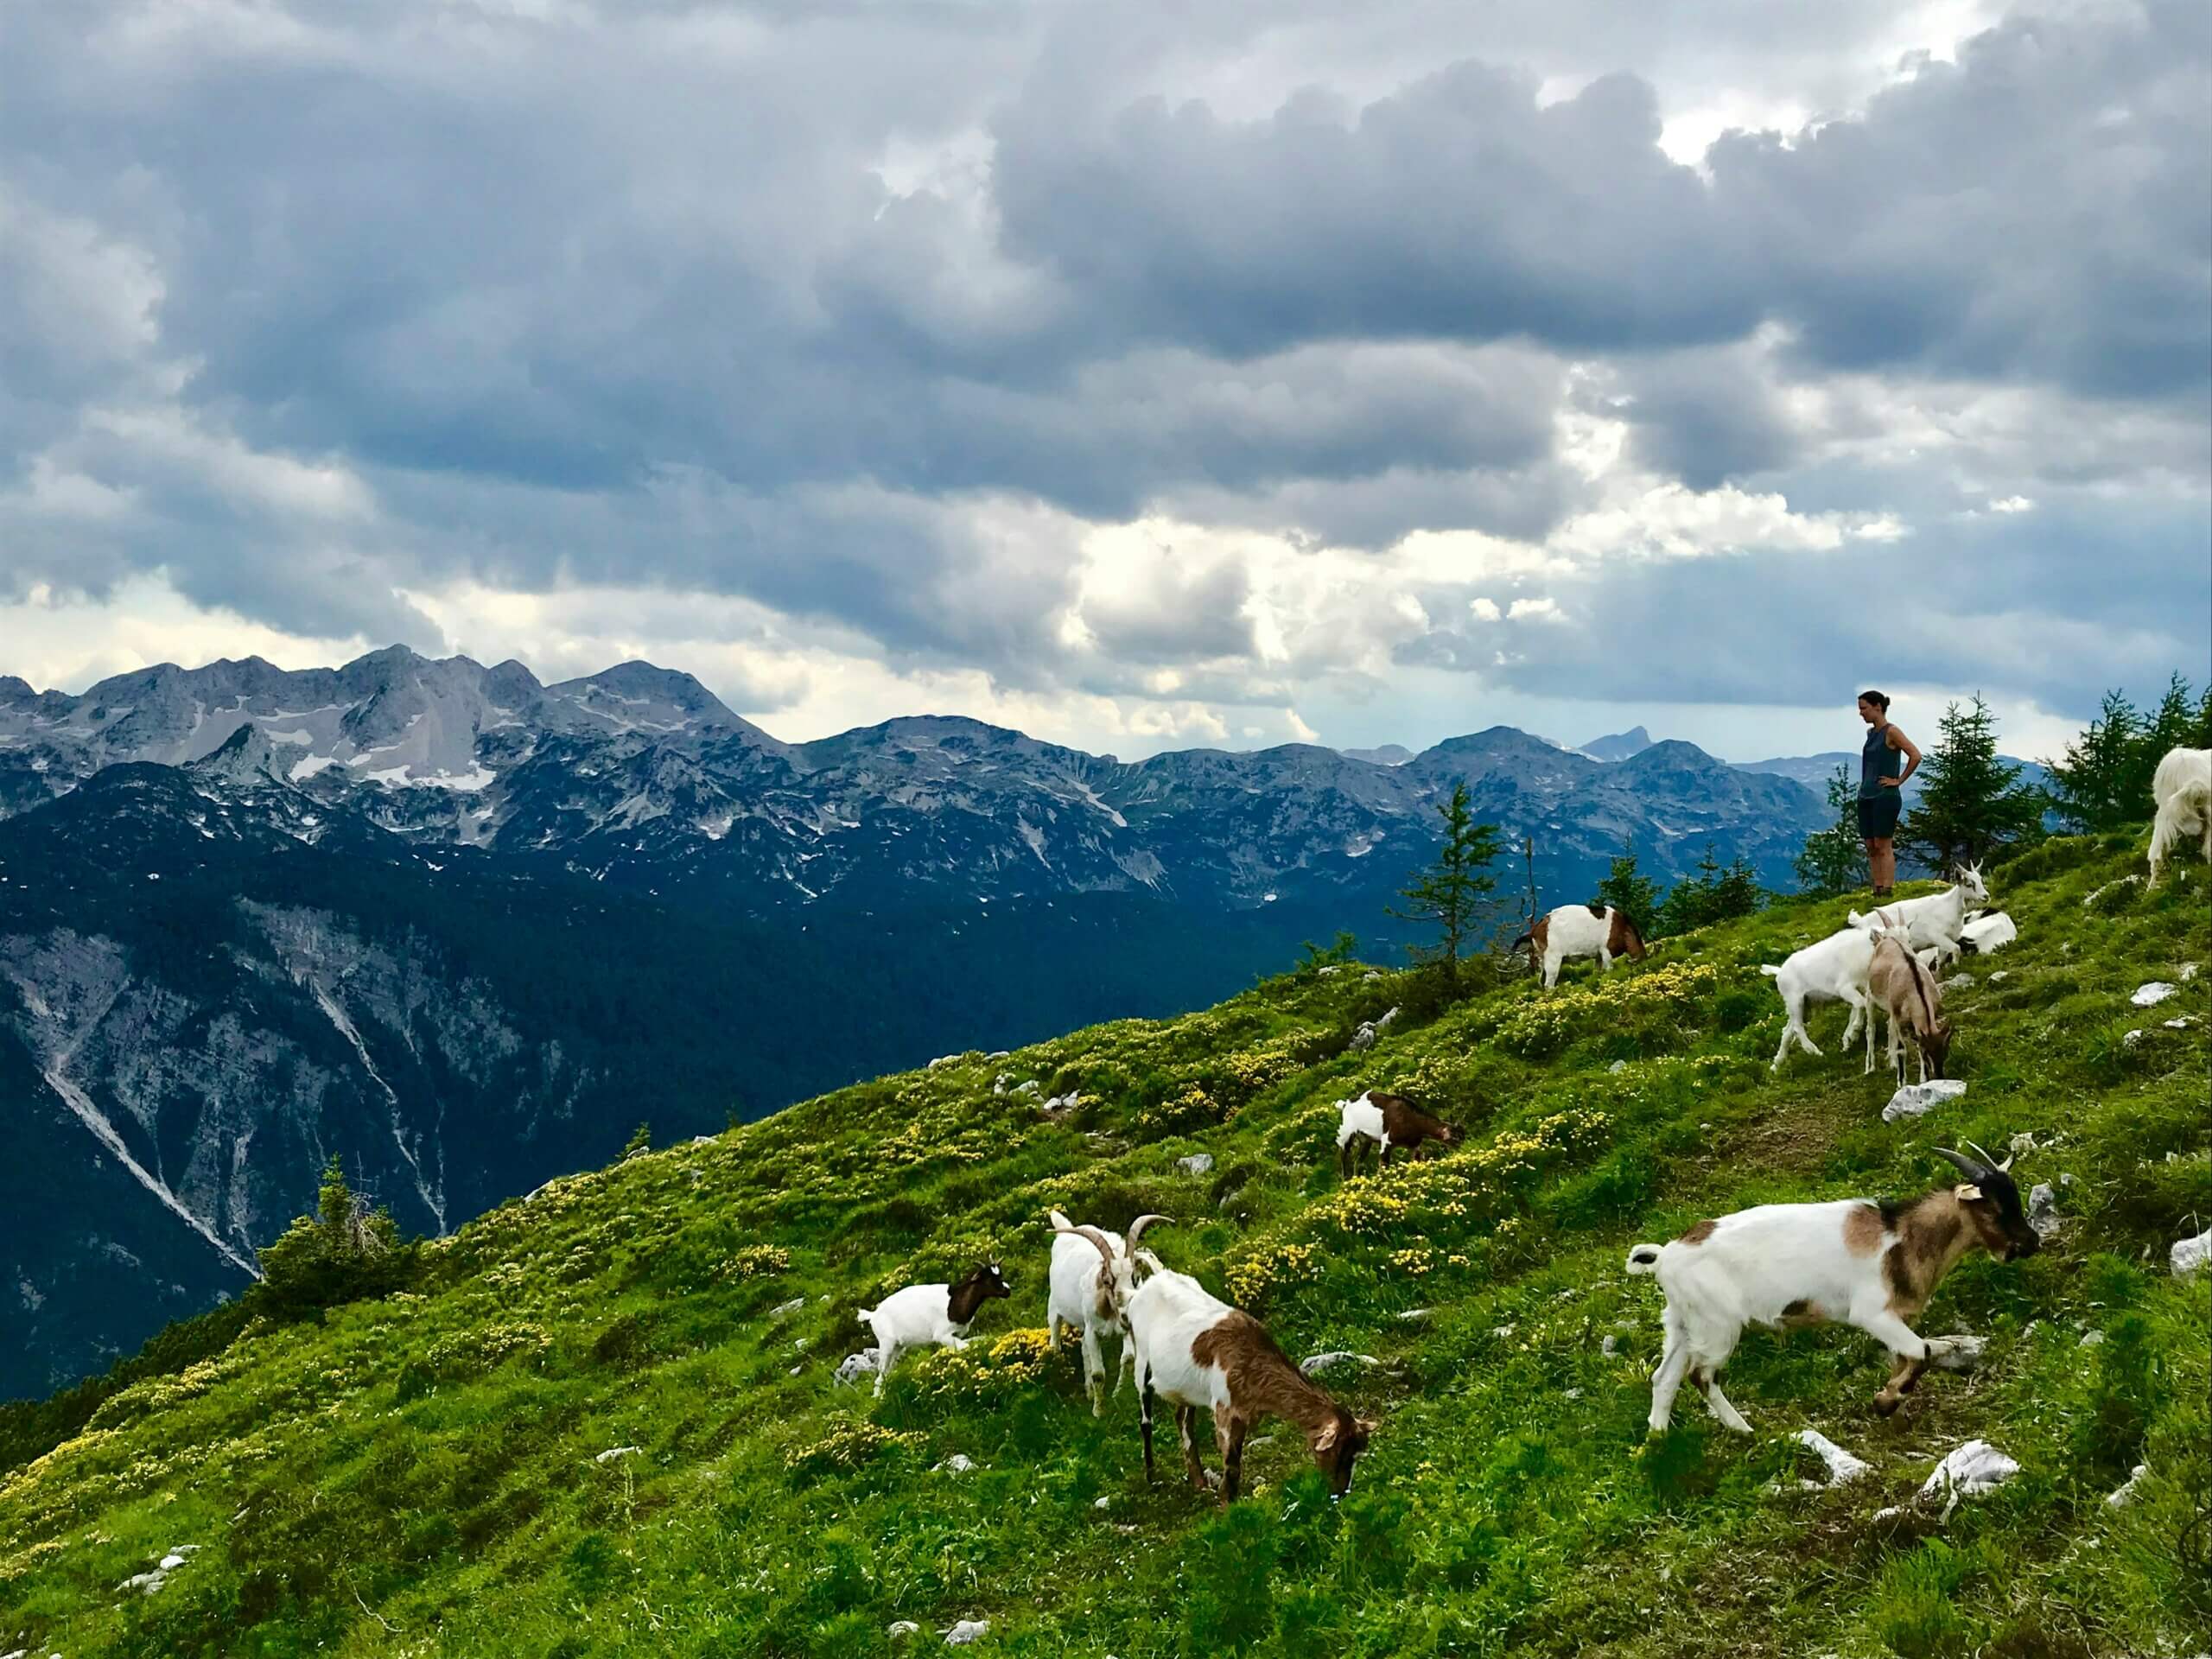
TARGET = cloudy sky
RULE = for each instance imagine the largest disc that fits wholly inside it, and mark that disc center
(1141, 375)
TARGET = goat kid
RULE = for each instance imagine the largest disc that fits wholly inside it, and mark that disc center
(1093, 1276)
(2182, 791)
(1855, 1261)
(1938, 918)
(1197, 1353)
(1389, 1120)
(930, 1315)
(1581, 930)
(1899, 986)
(1833, 970)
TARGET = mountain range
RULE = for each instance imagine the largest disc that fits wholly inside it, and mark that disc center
(464, 930)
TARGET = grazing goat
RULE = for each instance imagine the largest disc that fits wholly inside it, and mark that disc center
(1936, 919)
(1089, 1292)
(1899, 985)
(1389, 1120)
(1855, 1261)
(2182, 789)
(1196, 1352)
(1581, 930)
(926, 1315)
(1834, 970)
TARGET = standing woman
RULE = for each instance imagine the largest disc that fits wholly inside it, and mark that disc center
(1886, 761)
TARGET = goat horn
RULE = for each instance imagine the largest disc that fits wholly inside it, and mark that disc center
(1967, 1167)
(1105, 1246)
(1137, 1227)
(1982, 1152)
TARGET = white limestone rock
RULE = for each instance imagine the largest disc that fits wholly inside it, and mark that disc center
(1917, 1099)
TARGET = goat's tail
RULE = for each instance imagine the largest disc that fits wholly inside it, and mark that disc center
(1770, 970)
(1645, 1258)
(1060, 1222)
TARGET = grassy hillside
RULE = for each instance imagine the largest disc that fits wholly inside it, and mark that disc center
(424, 1474)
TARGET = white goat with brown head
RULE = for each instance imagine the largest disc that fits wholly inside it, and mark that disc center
(1853, 1262)
(1093, 1276)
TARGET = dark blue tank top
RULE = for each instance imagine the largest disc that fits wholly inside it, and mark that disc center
(1877, 760)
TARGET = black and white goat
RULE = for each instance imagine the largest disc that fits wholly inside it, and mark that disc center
(1093, 1276)
(1197, 1353)
(923, 1316)
(1858, 1263)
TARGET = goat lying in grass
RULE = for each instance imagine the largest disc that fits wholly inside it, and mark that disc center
(929, 1315)
(1093, 1276)
(1196, 1352)
(1872, 1265)
(1581, 930)
(2182, 791)
(1388, 1120)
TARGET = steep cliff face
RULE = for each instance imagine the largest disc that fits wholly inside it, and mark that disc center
(182, 1045)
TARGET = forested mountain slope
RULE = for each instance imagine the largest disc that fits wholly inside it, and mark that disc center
(603, 1420)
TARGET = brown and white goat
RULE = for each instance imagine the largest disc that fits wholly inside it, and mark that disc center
(1900, 985)
(1872, 1265)
(1197, 1353)
(1580, 931)
(1391, 1121)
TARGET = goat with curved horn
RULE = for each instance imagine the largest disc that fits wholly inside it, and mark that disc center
(1137, 1227)
(1981, 1153)
(1091, 1298)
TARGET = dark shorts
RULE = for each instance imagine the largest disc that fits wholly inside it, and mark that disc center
(1878, 817)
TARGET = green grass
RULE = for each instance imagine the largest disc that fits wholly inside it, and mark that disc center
(420, 1474)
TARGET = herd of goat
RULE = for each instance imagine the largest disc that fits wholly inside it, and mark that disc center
(1870, 1264)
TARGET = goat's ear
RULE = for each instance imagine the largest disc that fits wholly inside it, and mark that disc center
(1326, 1438)
(1367, 1424)
(1965, 1193)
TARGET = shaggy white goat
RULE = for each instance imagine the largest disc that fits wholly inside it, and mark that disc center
(2182, 788)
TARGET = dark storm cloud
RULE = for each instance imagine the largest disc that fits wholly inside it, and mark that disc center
(2057, 608)
(816, 305)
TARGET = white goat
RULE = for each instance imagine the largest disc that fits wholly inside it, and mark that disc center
(1856, 1261)
(1581, 930)
(1196, 1352)
(2182, 789)
(1093, 1276)
(929, 1315)
(1937, 918)
(1834, 970)
(1988, 929)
